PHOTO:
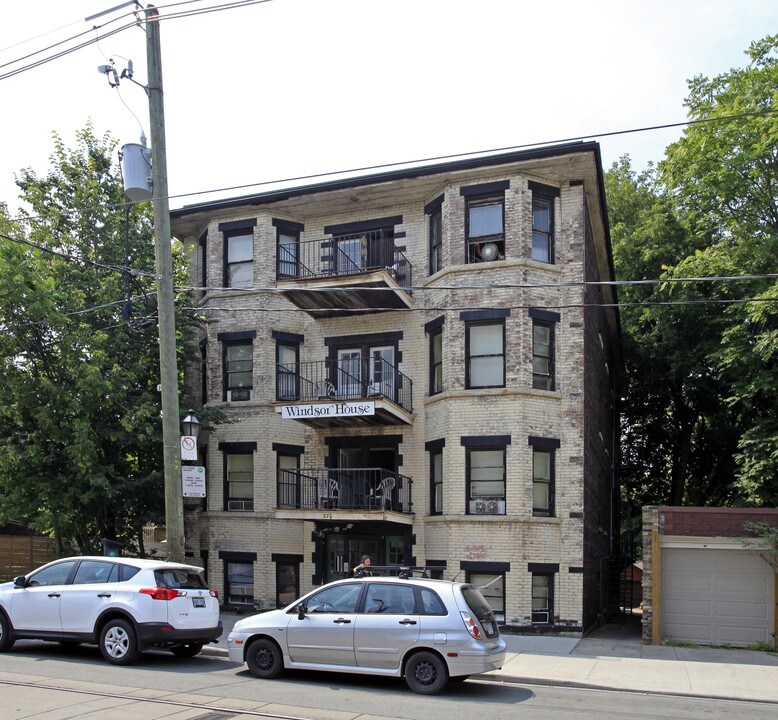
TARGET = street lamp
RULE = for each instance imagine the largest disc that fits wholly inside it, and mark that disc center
(190, 424)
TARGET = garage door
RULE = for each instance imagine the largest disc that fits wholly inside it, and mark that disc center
(715, 596)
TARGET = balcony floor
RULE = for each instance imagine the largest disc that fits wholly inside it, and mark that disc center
(346, 515)
(358, 293)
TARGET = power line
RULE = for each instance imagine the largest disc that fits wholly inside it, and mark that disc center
(63, 53)
(494, 286)
(544, 306)
(134, 23)
(439, 308)
(37, 37)
(76, 258)
(414, 288)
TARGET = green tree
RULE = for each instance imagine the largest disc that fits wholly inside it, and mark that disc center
(700, 423)
(80, 437)
(675, 429)
(724, 177)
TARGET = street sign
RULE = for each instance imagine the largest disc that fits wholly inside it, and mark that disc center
(188, 447)
(193, 481)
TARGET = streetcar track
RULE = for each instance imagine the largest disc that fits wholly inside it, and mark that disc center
(208, 707)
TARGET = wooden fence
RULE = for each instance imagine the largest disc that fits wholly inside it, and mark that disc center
(21, 553)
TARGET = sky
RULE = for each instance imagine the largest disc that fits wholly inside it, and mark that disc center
(289, 88)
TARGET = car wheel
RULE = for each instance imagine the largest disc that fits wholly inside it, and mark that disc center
(264, 658)
(425, 673)
(6, 639)
(118, 643)
(186, 651)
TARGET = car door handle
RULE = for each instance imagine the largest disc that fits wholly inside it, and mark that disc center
(53, 594)
(103, 594)
(407, 622)
(341, 620)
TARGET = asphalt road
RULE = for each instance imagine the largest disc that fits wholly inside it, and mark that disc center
(43, 680)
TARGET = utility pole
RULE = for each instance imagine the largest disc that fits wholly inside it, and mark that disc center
(174, 502)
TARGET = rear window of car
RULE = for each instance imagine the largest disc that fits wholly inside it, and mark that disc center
(127, 572)
(179, 578)
(476, 602)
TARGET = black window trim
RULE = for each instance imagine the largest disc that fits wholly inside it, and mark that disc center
(473, 323)
(548, 570)
(435, 363)
(234, 448)
(236, 339)
(363, 225)
(289, 230)
(475, 443)
(228, 557)
(551, 378)
(435, 233)
(548, 194)
(235, 229)
(288, 342)
(435, 450)
(551, 511)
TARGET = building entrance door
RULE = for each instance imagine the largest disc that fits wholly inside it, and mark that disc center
(344, 553)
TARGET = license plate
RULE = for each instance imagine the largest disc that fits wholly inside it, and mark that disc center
(198, 601)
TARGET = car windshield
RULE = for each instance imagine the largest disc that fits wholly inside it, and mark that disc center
(179, 578)
(476, 602)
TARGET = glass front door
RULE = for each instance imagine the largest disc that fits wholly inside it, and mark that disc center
(349, 376)
(382, 371)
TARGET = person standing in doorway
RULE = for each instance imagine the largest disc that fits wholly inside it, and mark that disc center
(363, 569)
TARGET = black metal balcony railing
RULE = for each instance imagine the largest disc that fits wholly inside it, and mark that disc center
(344, 489)
(343, 255)
(355, 378)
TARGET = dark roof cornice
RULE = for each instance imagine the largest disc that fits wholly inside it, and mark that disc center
(388, 176)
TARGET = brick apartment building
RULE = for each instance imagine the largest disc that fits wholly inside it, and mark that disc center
(419, 365)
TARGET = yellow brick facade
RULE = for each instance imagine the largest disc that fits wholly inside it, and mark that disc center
(571, 546)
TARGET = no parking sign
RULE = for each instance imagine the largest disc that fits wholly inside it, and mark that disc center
(188, 447)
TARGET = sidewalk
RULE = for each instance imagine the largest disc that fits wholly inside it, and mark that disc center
(614, 658)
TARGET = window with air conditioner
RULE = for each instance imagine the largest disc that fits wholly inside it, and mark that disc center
(238, 371)
(485, 469)
(485, 229)
(239, 585)
(542, 598)
(240, 482)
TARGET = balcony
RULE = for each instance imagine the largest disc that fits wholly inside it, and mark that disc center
(353, 493)
(343, 393)
(346, 274)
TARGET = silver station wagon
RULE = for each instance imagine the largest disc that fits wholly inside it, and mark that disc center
(427, 631)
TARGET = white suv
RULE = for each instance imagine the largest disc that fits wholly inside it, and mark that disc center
(427, 631)
(125, 605)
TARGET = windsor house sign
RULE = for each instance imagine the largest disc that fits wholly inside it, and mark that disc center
(328, 410)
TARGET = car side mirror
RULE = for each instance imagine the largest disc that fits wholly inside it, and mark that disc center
(301, 611)
(20, 581)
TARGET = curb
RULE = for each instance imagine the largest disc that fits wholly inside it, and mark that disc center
(611, 688)
(223, 653)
